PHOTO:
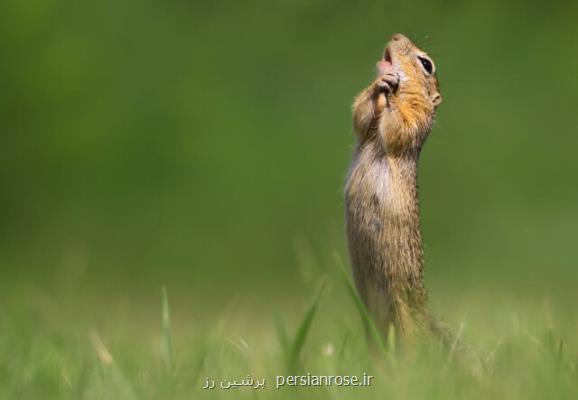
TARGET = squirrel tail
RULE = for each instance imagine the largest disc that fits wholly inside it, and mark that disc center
(464, 354)
(443, 333)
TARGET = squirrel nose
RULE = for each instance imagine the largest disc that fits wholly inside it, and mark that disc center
(397, 37)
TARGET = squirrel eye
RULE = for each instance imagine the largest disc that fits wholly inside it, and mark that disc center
(427, 64)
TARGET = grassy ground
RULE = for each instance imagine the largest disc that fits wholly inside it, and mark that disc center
(50, 347)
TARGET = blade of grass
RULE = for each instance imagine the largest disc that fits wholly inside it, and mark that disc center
(560, 351)
(200, 364)
(167, 341)
(391, 345)
(343, 346)
(302, 332)
(366, 319)
(282, 336)
(112, 377)
(456, 341)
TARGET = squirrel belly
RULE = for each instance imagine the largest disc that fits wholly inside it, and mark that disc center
(384, 239)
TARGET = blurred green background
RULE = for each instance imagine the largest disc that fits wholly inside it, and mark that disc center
(204, 144)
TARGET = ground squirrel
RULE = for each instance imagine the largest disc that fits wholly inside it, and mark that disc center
(392, 119)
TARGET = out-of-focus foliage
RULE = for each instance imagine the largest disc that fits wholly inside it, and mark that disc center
(205, 143)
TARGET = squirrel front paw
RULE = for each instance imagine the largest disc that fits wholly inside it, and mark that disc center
(387, 83)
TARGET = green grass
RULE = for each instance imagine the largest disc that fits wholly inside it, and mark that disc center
(48, 350)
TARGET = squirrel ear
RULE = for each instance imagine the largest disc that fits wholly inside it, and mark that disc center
(436, 99)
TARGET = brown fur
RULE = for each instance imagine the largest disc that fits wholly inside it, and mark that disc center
(392, 119)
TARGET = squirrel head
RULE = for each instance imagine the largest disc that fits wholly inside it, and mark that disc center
(417, 95)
